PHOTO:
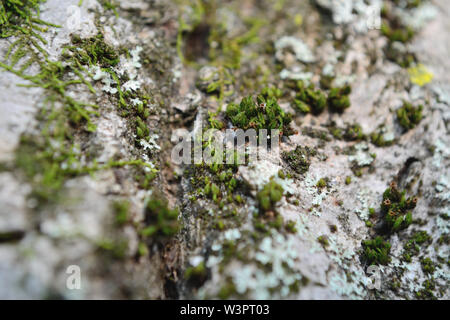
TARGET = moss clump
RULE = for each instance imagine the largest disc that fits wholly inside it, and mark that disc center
(227, 290)
(428, 266)
(377, 138)
(116, 249)
(353, 132)
(409, 116)
(270, 194)
(323, 240)
(14, 14)
(348, 180)
(93, 51)
(397, 33)
(338, 99)
(397, 208)
(121, 209)
(309, 99)
(299, 159)
(427, 291)
(46, 167)
(291, 227)
(161, 221)
(264, 113)
(322, 183)
(397, 53)
(196, 275)
(412, 246)
(271, 92)
(376, 251)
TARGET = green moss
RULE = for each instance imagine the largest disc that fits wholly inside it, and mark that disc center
(338, 99)
(264, 113)
(401, 34)
(299, 159)
(377, 138)
(110, 5)
(143, 249)
(121, 209)
(322, 183)
(397, 209)
(409, 116)
(269, 195)
(428, 266)
(348, 180)
(115, 248)
(227, 290)
(309, 99)
(291, 227)
(18, 17)
(376, 251)
(161, 221)
(427, 291)
(197, 274)
(272, 93)
(93, 51)
(403, 58)
(353, 133)
(323, 240)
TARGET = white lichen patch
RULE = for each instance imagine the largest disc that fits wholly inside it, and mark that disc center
(417, 18)
(258, 174)
(302, 52)
(151, 143)
(362, 15)
(361, 157)
(364, 197)
(278, 254)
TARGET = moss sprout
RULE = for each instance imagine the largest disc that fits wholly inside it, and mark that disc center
(291, 227)
(397, 208)
(353, 132)
(377, 138)
(93, 51)
(161, 221)
(376, 251)
(397, 33)
(121, 209)
(322, 183)
(269, 195)
(264, 113)
(428, 266)
(19, 17)
(409, 116)
(427, 291)
(338, 99)
(309, 99)
(323, 240)
(196, 275)
(299, 159)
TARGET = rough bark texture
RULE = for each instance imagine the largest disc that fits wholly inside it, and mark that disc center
(180, 60)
